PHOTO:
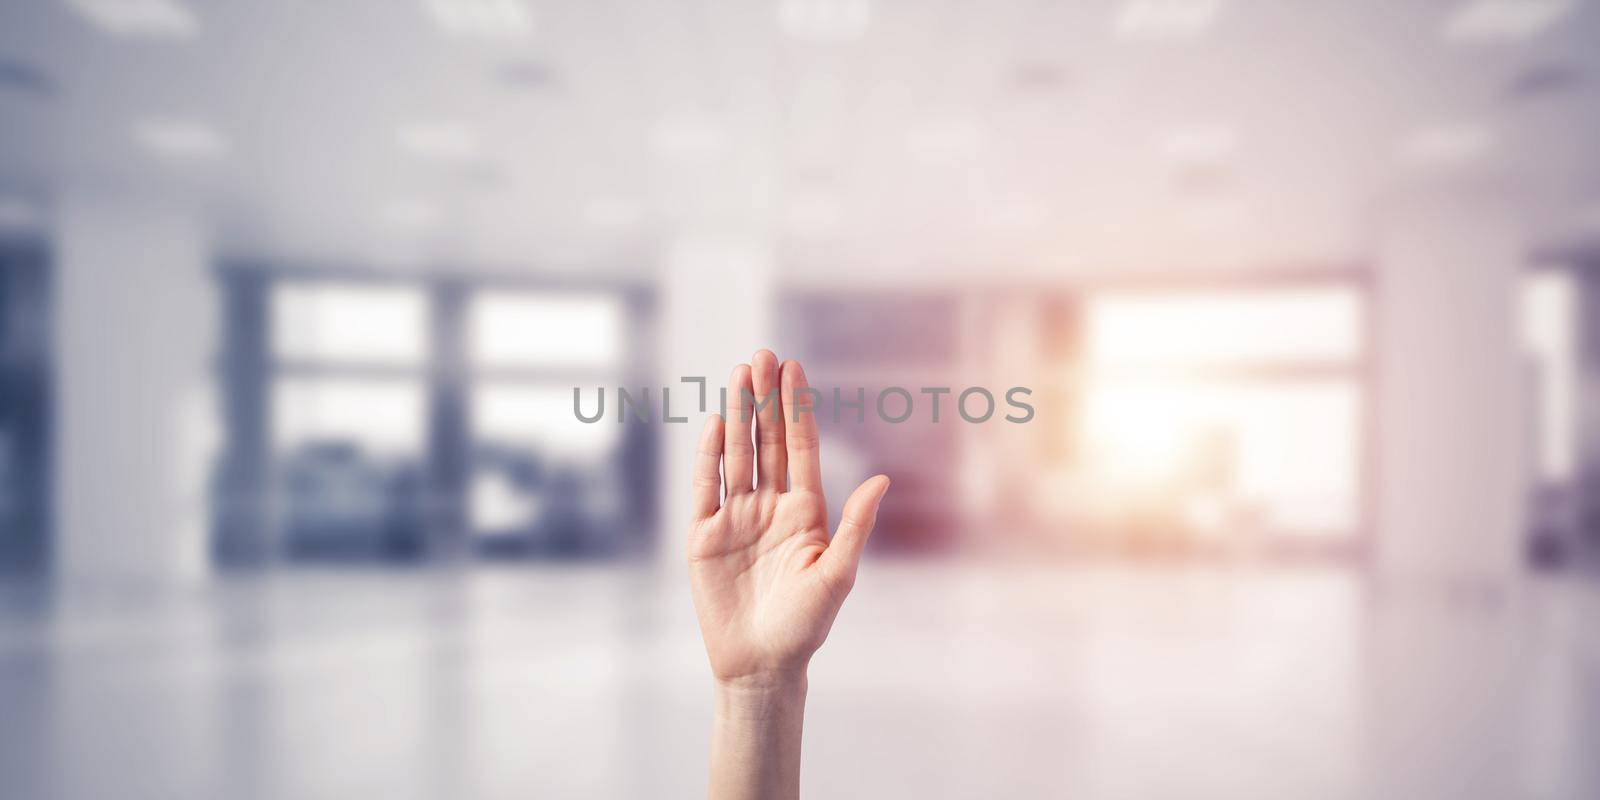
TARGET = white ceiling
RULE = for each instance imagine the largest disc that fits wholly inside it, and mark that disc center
(1011, 135)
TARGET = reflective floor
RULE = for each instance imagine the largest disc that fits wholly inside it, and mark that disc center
(939, 681)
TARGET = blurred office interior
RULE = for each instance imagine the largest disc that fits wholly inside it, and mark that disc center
(294, 298)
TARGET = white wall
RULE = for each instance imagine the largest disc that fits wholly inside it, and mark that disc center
(134, 416)
(1450, 389)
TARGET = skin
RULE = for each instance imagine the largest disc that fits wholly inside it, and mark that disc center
(767, 578)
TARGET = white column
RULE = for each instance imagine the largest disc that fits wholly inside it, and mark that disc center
(717, 299)
(1450, 390)
(134, 417)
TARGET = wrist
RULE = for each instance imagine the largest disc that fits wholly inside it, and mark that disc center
(755, 737)
(761, 697)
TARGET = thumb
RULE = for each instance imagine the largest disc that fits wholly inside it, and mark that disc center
(855, 526)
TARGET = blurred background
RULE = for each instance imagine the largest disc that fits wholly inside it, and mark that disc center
(294, 295)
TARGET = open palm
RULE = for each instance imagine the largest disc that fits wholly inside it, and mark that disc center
(767, 580)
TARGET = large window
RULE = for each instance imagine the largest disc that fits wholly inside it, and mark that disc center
(1182, 330)
(1558, 503)
(411, 418)
(542, 479)
(1549, 321)
(1227, 411)
(1187, 417)
(539, 331)
(353, 324)
(349, 410)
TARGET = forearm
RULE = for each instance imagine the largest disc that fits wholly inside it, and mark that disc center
(755, 740)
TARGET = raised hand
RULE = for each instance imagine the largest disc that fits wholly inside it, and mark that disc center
(767, 579)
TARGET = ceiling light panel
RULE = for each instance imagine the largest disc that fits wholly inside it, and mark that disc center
(1504, 20)
(947, 141)
(813, 213)
(612, 214)
(411, 215)
(687, 137)
(438, 141)
(180, 139)
(152, 19)
(1448, 145)
(1164, 19)
(824, 19)
(1014, 215)
(1201, 145)
(481, 18)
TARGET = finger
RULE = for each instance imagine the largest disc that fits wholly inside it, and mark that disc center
(859, 517)
(772, 463)
(707, 477)
(800, 419)
(737, 454)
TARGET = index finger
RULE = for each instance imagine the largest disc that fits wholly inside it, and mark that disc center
(707, 478)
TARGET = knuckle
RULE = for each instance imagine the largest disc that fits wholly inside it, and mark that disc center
(844, 579)
(802, 439)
